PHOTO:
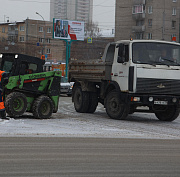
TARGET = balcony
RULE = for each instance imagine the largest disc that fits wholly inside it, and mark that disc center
(137, 2)
(84, 7)
(139, 16)
(138, 29)
(13, 33)
(83, 12)
(83, 1)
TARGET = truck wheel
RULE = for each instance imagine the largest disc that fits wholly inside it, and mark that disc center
(81, 100)
(42, 107)
(15, 104)
(170, 114)
(93, 102)
(114, 106)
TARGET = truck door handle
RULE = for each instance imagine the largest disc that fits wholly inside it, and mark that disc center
(116, 74)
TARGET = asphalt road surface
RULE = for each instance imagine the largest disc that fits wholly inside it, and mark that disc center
(88, 157)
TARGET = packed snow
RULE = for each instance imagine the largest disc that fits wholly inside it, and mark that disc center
(68, 123)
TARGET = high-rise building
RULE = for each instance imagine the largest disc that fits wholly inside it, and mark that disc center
(147, 19)
(80, 10)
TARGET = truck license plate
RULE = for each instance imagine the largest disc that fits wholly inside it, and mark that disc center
(161, 102)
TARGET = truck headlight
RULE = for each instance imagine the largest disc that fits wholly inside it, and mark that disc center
(1, 55)
(135, 99)
(174, 100)
(151, 99)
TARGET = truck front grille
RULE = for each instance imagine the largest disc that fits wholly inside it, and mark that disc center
(158, 86)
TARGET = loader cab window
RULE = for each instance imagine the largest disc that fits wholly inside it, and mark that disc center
(7, 66)
(28, 68)
(33, 67)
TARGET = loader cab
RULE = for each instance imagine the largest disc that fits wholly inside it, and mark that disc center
(19, 64)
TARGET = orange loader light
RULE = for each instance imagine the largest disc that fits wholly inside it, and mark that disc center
(42, 57)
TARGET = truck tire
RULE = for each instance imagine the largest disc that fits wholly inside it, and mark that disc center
(114, 106)
(170, 114)
(15, 104)
(42, 107)
(93, 102)
(81, 100)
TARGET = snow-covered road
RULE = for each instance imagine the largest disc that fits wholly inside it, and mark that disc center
(68, 123)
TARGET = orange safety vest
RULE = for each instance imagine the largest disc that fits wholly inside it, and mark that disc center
(2, 106)
(1, 102)
(1, 74)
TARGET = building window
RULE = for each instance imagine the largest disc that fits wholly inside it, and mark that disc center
(21, 38)
(22, 50)
(49, 30)
(48, 51)
(149, 35)
(150, 10)
(49, 41)
(139, 36)
(41, 39)
(174, 11)
(40, 29)
(3, 29)
(21, 28)
(174, 24)
(150, 22)
(3, 39)
(140, 23)
(138, 9)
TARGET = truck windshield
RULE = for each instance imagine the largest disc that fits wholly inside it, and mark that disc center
(156, 53)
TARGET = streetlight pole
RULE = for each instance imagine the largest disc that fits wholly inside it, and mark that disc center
(44, 33)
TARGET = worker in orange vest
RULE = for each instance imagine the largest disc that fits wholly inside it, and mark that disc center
(2, 108)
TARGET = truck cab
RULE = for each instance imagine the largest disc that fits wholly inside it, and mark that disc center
(140, 63)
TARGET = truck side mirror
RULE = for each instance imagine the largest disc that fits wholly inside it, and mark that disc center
(121, 58)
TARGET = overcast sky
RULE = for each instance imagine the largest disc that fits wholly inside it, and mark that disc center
(19, 10)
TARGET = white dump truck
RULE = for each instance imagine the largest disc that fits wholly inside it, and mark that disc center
(132, 76)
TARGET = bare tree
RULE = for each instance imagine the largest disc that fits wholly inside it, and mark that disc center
(92, 30)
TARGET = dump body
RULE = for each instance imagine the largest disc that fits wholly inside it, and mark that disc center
(93, 70)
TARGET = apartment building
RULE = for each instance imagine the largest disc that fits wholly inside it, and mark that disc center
(147, 19)
(32, 37)
(80, 10)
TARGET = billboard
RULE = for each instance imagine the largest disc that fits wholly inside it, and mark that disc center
(66, 29)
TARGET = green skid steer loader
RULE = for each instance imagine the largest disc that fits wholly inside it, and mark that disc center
(29, 89)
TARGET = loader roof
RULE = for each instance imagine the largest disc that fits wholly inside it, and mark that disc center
(22, 57)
